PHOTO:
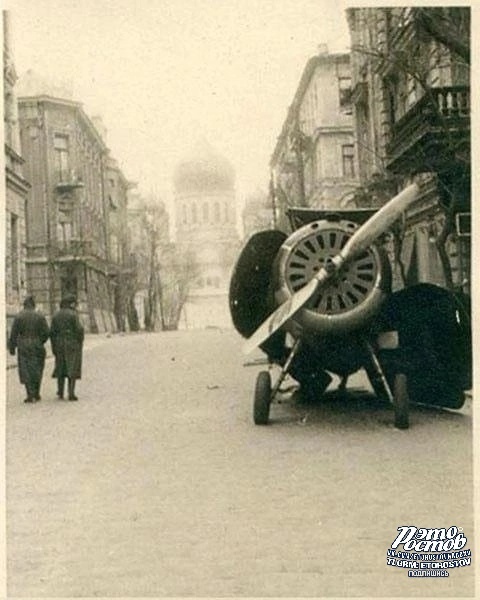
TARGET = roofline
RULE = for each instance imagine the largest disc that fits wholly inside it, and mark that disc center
(112, 165)
(69, 103)
(303, 84)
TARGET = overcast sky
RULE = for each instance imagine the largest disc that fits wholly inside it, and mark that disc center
(164, 72)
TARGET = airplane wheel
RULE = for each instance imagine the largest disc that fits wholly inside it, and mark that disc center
(400, 401)
(262, 400)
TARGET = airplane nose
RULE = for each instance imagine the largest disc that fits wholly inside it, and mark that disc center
(329, 264)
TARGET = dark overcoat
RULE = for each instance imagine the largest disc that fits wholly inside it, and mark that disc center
(66, 336)
(28, 336)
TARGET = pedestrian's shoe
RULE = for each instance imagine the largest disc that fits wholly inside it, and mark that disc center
(60, 396)
(29, 400)
(38, 398)
(73, 397)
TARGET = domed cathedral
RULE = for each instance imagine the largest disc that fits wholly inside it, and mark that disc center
(206, 234)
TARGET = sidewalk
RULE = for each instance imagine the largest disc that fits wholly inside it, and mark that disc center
(91, 339)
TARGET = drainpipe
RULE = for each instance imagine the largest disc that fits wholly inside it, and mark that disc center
(46, 191)
(297, 146)
(106, 227)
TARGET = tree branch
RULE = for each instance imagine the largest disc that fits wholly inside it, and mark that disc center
(444, 31)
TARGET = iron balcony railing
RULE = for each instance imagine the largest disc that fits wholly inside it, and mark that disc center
(67, 179)
(439, 121)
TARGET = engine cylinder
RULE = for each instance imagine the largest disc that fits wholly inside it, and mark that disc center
(351, 297)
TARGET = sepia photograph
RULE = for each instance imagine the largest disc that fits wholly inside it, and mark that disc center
(237, 299)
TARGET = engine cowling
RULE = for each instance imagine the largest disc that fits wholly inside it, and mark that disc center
(351, 298)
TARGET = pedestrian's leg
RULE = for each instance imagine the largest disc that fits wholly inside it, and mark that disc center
(39, 383)
(71, 389)
(60, 387)
(36, 389)
(30, 393)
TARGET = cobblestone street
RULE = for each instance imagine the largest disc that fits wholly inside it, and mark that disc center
(157, 483)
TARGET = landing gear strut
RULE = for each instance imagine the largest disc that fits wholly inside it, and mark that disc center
(396, 393)
(264, 393)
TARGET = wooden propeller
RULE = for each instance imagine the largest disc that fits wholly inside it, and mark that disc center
(360, 241)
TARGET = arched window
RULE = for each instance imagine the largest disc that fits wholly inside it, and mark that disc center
(194, 213)
(205, 212)
(217, 212)
(185, 216)
(225, 206)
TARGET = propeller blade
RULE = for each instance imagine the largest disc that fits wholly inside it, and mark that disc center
(360, 241)
(285, 311)
(379, 222)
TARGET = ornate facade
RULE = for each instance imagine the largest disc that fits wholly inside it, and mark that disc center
(71, 209)
(16, 187)
(206, 234)
(411, 98)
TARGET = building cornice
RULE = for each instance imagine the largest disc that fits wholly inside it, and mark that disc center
(13, 154)
(334, 129)
(16, 181)
(76, 106)
(112, 165)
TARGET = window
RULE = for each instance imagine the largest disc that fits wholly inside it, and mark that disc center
(64, 232)
(205, 212)
(65, 207)
(390, 95)
(348, 158)
(185, 218)
(318, 162)
(14, 250)
(344, 92)
(62, 160)
(194, 213)
(217, 211)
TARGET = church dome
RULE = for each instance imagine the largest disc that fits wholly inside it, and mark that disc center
(204, 170)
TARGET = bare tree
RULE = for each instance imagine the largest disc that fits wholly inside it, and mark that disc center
(155, 226)
(450, 26)
(178, 271)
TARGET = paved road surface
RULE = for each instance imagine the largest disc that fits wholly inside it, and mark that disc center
(156, 483)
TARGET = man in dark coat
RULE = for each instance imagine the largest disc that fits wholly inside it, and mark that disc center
(28, 336)
(66, 336)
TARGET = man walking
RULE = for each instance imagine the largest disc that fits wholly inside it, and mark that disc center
(28, 336)
(66, 336)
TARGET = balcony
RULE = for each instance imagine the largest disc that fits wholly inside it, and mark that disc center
(433, 134)
(74, 249)
(67, 180)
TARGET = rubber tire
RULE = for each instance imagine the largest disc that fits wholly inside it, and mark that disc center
(400, 401)
(262, 398)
